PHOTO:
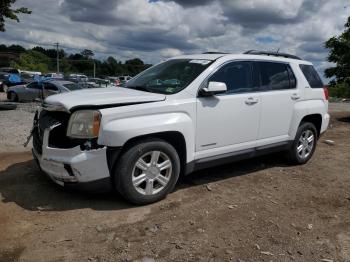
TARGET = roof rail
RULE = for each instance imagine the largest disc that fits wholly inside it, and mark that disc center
(268, 53)
(213, 53)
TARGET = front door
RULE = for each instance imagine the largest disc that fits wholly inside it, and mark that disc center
(229, 122)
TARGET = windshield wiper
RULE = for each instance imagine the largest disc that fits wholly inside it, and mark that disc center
(141, 88)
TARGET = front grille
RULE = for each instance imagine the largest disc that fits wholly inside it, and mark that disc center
(57, 136)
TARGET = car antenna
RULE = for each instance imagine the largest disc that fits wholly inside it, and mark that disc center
(277, 51)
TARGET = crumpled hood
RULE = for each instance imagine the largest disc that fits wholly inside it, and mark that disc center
(100, 97)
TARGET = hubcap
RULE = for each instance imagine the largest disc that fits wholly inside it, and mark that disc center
(151, 172)
(305, 144)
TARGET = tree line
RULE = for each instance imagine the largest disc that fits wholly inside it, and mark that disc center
(339, 54)
(44, 60)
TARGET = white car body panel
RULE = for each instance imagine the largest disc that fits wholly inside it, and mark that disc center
(102, 96)
(121, 124)
(211, 126)
(219, 117)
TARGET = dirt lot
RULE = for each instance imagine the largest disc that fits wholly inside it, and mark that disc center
(257, 210)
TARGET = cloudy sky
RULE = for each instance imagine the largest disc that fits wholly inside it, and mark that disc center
(156, 29)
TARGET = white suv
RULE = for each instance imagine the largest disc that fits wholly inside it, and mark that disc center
(184, 114)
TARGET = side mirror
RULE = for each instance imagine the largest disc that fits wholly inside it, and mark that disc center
(214, 88)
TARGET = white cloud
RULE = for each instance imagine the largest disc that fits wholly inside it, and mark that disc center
(160, 29)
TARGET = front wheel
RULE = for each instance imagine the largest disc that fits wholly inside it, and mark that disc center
(304, 144)
(147, 171)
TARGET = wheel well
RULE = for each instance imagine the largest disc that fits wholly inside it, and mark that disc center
(8, 94)
(176, 139)
(315, 119)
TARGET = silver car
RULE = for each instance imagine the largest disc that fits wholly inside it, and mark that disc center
(37, 90)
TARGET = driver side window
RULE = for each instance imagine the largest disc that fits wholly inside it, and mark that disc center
(236, 75)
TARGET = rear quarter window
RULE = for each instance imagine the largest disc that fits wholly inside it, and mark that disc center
(311, 76)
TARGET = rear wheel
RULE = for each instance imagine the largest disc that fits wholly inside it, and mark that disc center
(304, 144)
(147, 171)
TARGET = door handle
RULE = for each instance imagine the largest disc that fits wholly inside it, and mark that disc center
(295, 96)
(251, 100)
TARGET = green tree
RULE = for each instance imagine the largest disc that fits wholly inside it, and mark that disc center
(33, 61)
(52, 53)
(340, 55)
(7, 12)
(87, 53)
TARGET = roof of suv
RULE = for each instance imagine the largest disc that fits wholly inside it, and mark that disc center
(215, 56)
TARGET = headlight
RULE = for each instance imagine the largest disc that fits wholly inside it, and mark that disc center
(84, 124)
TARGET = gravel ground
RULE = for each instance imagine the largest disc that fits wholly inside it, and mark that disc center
(15, 126)
(256, 210)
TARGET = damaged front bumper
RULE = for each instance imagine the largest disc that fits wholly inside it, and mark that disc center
(74, 167)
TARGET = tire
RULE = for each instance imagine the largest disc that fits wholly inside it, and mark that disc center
(301, 150)
(13, 97)
(6, 106)
(136, 169)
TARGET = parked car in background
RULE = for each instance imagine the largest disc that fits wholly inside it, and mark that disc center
(3, 79)
(54, 75)
(37, 90)
(10, 79)
(10, 70)
(98, 82)
(78, 77)
(119, 80)
(124, 79)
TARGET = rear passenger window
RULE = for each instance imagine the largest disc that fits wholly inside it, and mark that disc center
(236, 76)
(311, 76)
(276, 76)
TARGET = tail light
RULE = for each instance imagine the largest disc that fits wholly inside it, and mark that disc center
(326, 93)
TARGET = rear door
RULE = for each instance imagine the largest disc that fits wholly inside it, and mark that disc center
(228, 122)
(279, 93)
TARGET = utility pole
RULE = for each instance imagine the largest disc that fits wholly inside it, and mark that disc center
(57, 58)
(94, 69)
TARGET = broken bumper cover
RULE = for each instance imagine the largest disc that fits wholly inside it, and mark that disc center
(86, 170)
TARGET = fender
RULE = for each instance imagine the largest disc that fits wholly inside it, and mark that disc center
(304, 108)
(117, 132)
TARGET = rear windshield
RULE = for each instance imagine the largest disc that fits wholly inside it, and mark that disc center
(311, 76)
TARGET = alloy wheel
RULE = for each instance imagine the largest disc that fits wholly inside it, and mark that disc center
(151, 172)
(305, 144)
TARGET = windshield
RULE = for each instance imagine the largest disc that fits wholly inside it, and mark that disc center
(169, 77)
(72, 86)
